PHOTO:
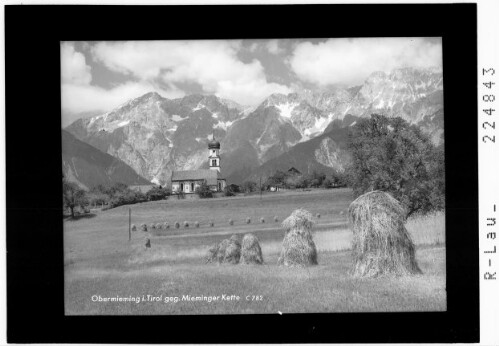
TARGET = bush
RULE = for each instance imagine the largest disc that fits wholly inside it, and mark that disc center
(318, 215)
(159, 226)
(186, 224)
(157, 193)
(228, 191)
(204, 191)
(143, 227)
(134, 228)
(177, 224)
(248, 220)
(166, 225)
(196, 224)
(262, 220)
(231, 222)
(152, 226)
(276, 219)
(212, 224)
(249, 186)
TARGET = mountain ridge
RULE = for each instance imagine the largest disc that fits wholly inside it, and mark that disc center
(155, 135)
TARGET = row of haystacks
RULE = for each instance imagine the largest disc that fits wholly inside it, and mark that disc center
(232, 251)
(298, 248)
(187, 224)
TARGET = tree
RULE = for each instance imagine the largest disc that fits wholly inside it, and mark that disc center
(73, 196)
(389, 154)
(204, 191)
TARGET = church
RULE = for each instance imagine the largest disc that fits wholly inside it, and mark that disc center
(189, 181)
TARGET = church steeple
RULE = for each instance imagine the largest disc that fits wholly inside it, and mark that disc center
(213, 154)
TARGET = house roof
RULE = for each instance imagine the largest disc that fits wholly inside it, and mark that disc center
(294, 170)
(210, 175)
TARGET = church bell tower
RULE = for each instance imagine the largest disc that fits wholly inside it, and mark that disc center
(213, 154)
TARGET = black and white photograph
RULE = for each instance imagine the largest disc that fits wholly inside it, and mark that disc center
(277, 172)
(253, 176)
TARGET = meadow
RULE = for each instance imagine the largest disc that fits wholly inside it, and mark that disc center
(101, 262)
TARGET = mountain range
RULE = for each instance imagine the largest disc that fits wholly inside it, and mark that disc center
(305, 129)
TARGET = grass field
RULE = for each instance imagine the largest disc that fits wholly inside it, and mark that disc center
(101, 262)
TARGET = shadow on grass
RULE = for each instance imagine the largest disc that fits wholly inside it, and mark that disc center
(78, 217)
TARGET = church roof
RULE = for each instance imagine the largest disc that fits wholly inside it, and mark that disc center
(210, 175)
(213, 144)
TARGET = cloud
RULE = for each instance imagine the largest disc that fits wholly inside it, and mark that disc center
(273, 47)
(212, 64)
(78, 95)
(77, 98)
(74, 69)
(351, 61)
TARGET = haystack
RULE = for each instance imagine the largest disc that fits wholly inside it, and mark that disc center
(298, 247)
(226, 251)
(134, 228)
(381, 244)
(143, 227)
(251, 253)
(211, 256)
(233, 250)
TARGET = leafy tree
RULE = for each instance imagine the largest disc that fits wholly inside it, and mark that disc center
(204, 190)
(391, 155)
(277, 179)
(73, 196)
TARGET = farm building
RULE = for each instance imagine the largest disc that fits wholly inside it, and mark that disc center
(294, 171)
(189, 181)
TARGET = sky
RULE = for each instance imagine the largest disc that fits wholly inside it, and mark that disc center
(99, 76)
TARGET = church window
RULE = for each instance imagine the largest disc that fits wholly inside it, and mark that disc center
(192, 186)
(181, 187)
(213, 162)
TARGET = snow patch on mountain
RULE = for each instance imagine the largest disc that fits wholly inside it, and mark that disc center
(223, 125)
(198, 107)
(286, 108)
(177, 118)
